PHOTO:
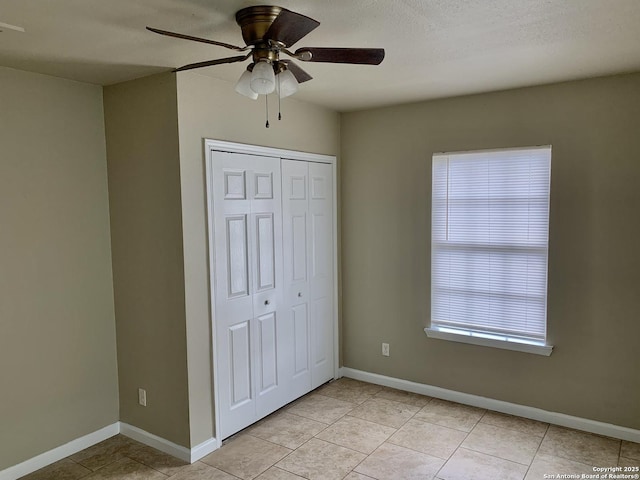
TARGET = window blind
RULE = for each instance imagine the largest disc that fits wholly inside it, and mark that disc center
(490, 229)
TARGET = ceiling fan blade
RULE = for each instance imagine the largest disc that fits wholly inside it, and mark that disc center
(208, 63)
(300, 74)
(289, 27)
(196, 39)
(367, 56)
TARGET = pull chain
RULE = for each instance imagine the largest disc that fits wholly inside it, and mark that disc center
(279, 93)
(266, 104)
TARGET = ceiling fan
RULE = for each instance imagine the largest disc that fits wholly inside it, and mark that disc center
(269, 32)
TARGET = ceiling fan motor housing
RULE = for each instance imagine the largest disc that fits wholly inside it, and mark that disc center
(255, 22)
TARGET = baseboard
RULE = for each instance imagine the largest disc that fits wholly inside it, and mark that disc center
(555, 418)
(47, 458)
(203, 449)
(159, 443)
(58, 453)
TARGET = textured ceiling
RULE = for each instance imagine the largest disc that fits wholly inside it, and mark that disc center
(434, 48)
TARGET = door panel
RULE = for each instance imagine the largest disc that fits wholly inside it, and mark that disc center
(265, 252)
(240, 364)
(263, 185)
(299, 247)
(295, 207)
(234, 184)
(237, 256)
(300, 339)
(320, 261)
(271, 357)
(297, 185)
(248, 282)
(321, 277)
(321, 331)
(268, 357)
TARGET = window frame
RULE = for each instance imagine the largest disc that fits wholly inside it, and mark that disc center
(484, 338)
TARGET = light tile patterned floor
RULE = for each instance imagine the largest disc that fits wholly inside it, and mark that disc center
(358, 431)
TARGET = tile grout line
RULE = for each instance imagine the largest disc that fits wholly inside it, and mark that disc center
(279, 460)
(537, 450)
(619, 452)
(364, 460)
(458, 447)
(149, 466)
(502, 458)
(515, 429)
(499, 458)
(77, 463)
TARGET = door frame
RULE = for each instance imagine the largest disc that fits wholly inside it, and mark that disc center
(210, 146)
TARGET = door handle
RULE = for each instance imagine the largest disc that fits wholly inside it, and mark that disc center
(299, 294)
(267, 302)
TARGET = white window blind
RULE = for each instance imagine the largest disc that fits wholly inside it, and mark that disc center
(490, 224)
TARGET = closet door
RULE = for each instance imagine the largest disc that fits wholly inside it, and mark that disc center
(307, 209)
(248, 275)
(295, 205)
(321, 272)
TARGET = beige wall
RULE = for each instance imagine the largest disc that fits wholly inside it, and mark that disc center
(58, 377)
(209, 108)
(58, 348)
(144, 194)
(594, 261)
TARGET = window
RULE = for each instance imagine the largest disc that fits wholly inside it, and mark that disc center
(489, 242)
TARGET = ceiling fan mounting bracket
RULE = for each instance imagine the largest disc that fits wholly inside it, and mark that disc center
(255, 22)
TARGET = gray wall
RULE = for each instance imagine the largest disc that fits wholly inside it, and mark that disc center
(58, 378)
(155, 129)
(58, 341)
(209, 108)
(146, 235)
(594, 261)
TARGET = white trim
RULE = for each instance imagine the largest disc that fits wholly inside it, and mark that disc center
(491, 150)
(336, 333)
(159, 443)
(209, 146)
(506, 344)
(58, 453)
(203, 449)
(47, 458)
(578, 423)
(233, 147)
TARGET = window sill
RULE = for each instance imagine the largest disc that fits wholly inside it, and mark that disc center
(475, 339)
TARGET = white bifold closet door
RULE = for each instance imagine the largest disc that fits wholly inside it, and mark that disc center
(250, 337)
(307, 211)
(273, 260)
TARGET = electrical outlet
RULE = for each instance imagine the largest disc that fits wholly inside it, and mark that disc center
(142, 397)
(385, 349)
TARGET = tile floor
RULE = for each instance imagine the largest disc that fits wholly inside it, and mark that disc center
(358, 431)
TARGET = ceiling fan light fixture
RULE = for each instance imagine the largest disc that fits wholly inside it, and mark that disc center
(268, 32)
(286, 84)
(243, 87)
(263, 80)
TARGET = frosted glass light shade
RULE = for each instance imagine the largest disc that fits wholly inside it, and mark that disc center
(243, 87)
(263, 80)
(286, 83)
